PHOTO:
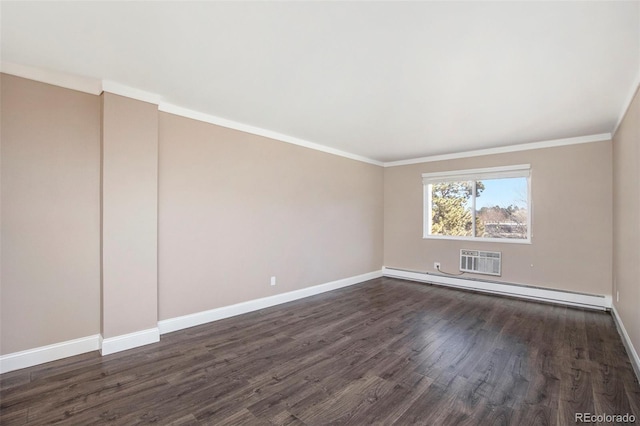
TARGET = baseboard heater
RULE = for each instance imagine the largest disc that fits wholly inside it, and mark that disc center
(563, 297)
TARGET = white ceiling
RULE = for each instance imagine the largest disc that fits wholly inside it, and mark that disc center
(384, 80)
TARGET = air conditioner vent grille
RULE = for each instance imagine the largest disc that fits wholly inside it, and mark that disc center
(481, 262)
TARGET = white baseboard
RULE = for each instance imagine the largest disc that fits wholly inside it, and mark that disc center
(31, 357)
(191, 320)
(41, 355)
(582, 300)
(626, 340)
(129, 341)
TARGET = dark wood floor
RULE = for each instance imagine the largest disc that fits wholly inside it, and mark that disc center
(381, 352)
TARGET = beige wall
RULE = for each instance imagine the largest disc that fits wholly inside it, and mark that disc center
(236, 209)
(129, 215)
(572, 215)
(50, 214)
(626, 221)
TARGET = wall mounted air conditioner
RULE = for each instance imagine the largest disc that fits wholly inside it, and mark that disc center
(481, 262)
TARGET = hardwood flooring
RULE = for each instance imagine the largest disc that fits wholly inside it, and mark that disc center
(382, 352)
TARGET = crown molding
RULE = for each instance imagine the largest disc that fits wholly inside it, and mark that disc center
(504, 149)
(130, 92)
(223, 122)
(96, 87)
(634, 89)
(89, 85)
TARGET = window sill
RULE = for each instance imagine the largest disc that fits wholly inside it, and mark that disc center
(478, 240)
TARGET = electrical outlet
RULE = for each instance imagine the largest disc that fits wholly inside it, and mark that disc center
(436, 266)
(273, 280)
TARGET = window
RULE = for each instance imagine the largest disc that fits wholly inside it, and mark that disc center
(491, 204)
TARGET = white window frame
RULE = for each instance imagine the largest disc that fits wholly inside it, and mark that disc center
(428, 179)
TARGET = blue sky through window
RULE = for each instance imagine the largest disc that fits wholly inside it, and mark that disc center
(503, 192)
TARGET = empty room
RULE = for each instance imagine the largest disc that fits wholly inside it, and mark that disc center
(314, 213)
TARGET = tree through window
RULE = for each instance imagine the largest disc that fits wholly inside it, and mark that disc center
(482, 204)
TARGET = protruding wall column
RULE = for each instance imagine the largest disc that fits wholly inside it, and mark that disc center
(129, 228)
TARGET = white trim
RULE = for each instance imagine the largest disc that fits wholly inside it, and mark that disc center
(519, 170)
(219, 121)
(504, 149)
(561, 297)
(191, 320)
(96, 87)
(634, 89)
(31, 357)
(130, 92)
(626, 340)
(56, 78)
(128, 341)
(478, 239)
(513, 171)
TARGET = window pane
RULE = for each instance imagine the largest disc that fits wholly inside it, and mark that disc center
(501, 208)
(451, 212)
